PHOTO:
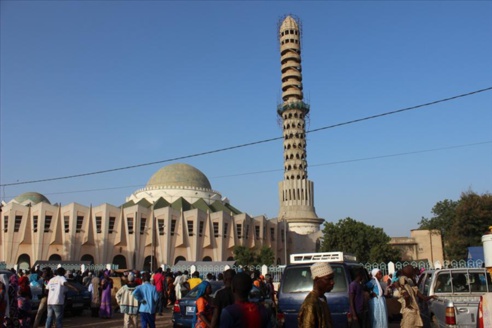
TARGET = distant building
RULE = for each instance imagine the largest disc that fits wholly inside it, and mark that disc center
(421, 245)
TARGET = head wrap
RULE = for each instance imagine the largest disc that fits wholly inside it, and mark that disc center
(374, 272)
(131, 277)
(320, 269)
(201, 288)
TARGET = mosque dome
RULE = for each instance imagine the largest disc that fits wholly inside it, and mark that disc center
(31, 197)
(179, 175)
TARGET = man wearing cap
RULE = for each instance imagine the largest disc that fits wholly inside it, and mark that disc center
(314, 310)
(128, 304)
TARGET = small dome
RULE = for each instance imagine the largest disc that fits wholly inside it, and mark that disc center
(32, 197)
(179, 175)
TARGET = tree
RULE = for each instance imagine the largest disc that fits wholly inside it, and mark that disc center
(367, 243)
(462, 223)
(265, 256)
(243, 256)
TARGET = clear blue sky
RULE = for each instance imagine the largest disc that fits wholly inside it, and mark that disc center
(96, 85)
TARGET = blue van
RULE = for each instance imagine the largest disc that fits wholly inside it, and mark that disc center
(297, 282)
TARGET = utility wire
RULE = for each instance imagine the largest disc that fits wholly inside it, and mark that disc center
(278, 170)
(246, 144)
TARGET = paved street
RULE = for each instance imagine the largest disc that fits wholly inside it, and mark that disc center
(85, 321)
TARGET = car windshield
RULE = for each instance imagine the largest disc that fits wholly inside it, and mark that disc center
(215, 287)
(299, 280)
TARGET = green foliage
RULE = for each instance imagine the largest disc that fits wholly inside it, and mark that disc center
(266, 256)
(462, 223)
(367, 243)
(245, 256)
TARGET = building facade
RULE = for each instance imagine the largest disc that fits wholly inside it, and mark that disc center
(421, 245)
(177, 216)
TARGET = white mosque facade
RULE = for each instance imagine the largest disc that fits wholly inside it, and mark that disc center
(177, 216)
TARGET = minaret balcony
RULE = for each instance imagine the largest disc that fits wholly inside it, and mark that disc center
(300, 105)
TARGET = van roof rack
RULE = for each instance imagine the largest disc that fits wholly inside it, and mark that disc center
(322, 257)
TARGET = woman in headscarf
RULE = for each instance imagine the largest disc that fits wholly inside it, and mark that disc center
(95, 296)
(204, 308)
(12, 319)
(105, 310)
(4, 298)
(378, 313)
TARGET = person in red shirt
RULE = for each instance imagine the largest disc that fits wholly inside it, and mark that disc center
(159, 286)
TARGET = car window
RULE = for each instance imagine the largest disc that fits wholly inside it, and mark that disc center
(443, 283)
(427, 283)
(299, 280)
(215, 287)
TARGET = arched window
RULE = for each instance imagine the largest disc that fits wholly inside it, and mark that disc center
(230, 258)
(207, 259)
(87, 257)
(179, 258)
(24, 262)
(54, 257)
(120, 261)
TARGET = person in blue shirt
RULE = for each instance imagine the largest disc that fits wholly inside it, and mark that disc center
(146, 294)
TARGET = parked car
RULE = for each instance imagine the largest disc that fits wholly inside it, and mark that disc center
(457, 292)
(185, 308)
(297, 282)
(77, 302)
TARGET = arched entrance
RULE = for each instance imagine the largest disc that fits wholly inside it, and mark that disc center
(55, 257)
(120, 261)
(149, 265)
(87, 257)
(179, 258)
(230, 258)
(24, 262)
(207, 259)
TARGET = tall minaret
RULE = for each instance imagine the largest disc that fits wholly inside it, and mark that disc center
(296, 192)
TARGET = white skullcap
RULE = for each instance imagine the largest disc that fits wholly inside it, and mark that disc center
(374, 272)
(320, 269)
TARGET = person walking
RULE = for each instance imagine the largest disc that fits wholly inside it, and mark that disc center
(56, 297)
(159, 286)
(204, 310)
(95, 290)
(224, 297)
(105, 309)
(314, 310)
(179, 283)
(43, 303)
(243, 314)
(148, 297)
(357, 302)
(195, 280)
(128, 304)
(410, 310)
(378, 313)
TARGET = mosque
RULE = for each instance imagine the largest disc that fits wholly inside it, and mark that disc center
(177, 215)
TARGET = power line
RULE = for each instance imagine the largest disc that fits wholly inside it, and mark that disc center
(279, 170)
(246, 144)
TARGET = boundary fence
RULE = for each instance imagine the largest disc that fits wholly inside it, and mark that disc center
(274, 270)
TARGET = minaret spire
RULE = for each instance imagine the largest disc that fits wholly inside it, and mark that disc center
(296, 192)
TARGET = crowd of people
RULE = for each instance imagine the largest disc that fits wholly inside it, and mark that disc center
(367, 299)
(142, 296)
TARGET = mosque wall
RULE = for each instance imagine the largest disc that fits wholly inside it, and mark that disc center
(131, 234)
